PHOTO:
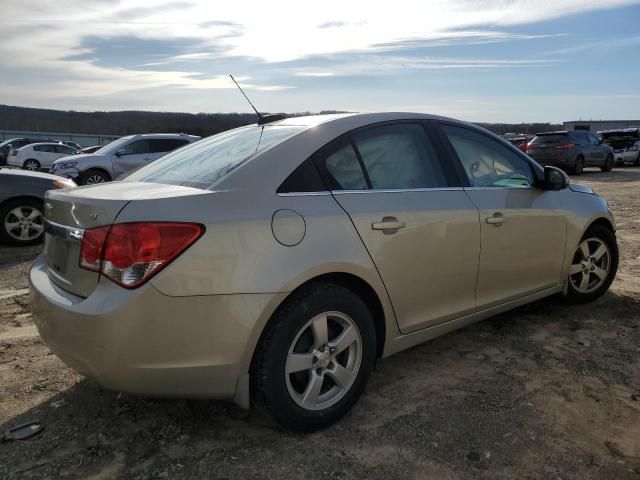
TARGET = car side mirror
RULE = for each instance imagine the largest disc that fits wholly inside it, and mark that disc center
(555, 179)
(121, 152)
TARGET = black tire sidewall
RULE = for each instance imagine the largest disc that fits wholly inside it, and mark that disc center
(578, 166)
(609, 238)
(4, 211)
(268, 375)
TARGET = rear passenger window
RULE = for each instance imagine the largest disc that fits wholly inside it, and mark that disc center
(342, 168)
(399, 156)
(166, 145)
(305, 178)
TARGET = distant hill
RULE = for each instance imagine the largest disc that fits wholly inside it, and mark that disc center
(130, 122)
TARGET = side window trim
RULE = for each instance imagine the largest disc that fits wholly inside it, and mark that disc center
(361, 162)
(453, 152)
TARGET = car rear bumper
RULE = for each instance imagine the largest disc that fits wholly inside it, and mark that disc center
(144, 342)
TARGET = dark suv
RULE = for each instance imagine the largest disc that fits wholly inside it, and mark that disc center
(571, 150)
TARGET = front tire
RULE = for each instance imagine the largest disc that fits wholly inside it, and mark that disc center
(594, 265)
(608, 164)
(21, 222)
(315, 358)
(93, 177)
(578, 166)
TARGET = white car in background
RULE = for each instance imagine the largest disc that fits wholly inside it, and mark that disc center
(119, 157)
(629, 155)
(39, 156)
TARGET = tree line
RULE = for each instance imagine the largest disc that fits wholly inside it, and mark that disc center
(132, 122)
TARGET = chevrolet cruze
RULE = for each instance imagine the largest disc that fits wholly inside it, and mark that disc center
(274, 263)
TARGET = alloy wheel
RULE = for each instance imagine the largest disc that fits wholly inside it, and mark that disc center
(24, 223)
(323, 361)
(591, 265)
(31, 165)
(95, 178)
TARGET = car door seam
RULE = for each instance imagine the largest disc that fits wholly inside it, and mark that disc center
(395, 315)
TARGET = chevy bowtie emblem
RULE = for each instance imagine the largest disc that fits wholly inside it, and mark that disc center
(76, 234)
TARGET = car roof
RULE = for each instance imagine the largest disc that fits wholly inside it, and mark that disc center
(163, 135)
(557, 132)
(358, 117)
(45, 143)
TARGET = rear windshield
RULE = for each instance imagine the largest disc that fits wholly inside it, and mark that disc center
(555, 138)
(203, 163)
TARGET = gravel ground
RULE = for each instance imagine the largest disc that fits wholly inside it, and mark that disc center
(546, 391)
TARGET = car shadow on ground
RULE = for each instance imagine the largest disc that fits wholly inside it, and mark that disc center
(439, 402)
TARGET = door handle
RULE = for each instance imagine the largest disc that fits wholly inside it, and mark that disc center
(388, 225)
(497, 219)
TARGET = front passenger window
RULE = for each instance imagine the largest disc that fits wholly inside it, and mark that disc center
(486, 161)
(138, 147)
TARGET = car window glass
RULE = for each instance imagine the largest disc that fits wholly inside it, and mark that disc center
(305, 178)
(166, 144)
(593, 139)
(399, 156)
(64, 149)
(487, 162)
(201, 164)
(137, 147)
(545, 139)
(44, 148)
(344, 170)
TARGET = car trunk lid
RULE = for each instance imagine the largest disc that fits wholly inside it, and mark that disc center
(69, 213)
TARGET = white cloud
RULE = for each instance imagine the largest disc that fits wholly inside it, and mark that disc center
(38, 38)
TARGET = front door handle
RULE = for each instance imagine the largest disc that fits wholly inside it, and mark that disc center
(497, 219)
(388, 225)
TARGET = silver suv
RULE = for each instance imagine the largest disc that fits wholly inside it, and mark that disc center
(119, 157)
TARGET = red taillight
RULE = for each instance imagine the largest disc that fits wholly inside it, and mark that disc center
(131, 253)
(91, 250)
(565, 146)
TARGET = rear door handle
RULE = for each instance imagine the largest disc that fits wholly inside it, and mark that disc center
(388, 225)
(497, 219)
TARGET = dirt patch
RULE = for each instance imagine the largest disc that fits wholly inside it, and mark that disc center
(545, 391)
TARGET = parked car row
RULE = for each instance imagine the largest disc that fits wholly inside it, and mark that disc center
(16, 143)
(93, 164)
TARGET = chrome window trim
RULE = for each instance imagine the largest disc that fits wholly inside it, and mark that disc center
(397, 190)
(304, 194)
(530, 187)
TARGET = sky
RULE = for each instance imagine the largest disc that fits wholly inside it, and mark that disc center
(477, 60)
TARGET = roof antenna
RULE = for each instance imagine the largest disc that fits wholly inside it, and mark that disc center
(262, 119)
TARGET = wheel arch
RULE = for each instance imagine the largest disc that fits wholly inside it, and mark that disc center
(20, 197)
(601, 221)
(355, 284)
(96, 168)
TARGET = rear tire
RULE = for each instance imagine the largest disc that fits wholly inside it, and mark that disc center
(637, 162)
(318, 392)
(93, 177)
(31, 164)
(578, 166)
(594, 265)
(608, 164)
(21, 222)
